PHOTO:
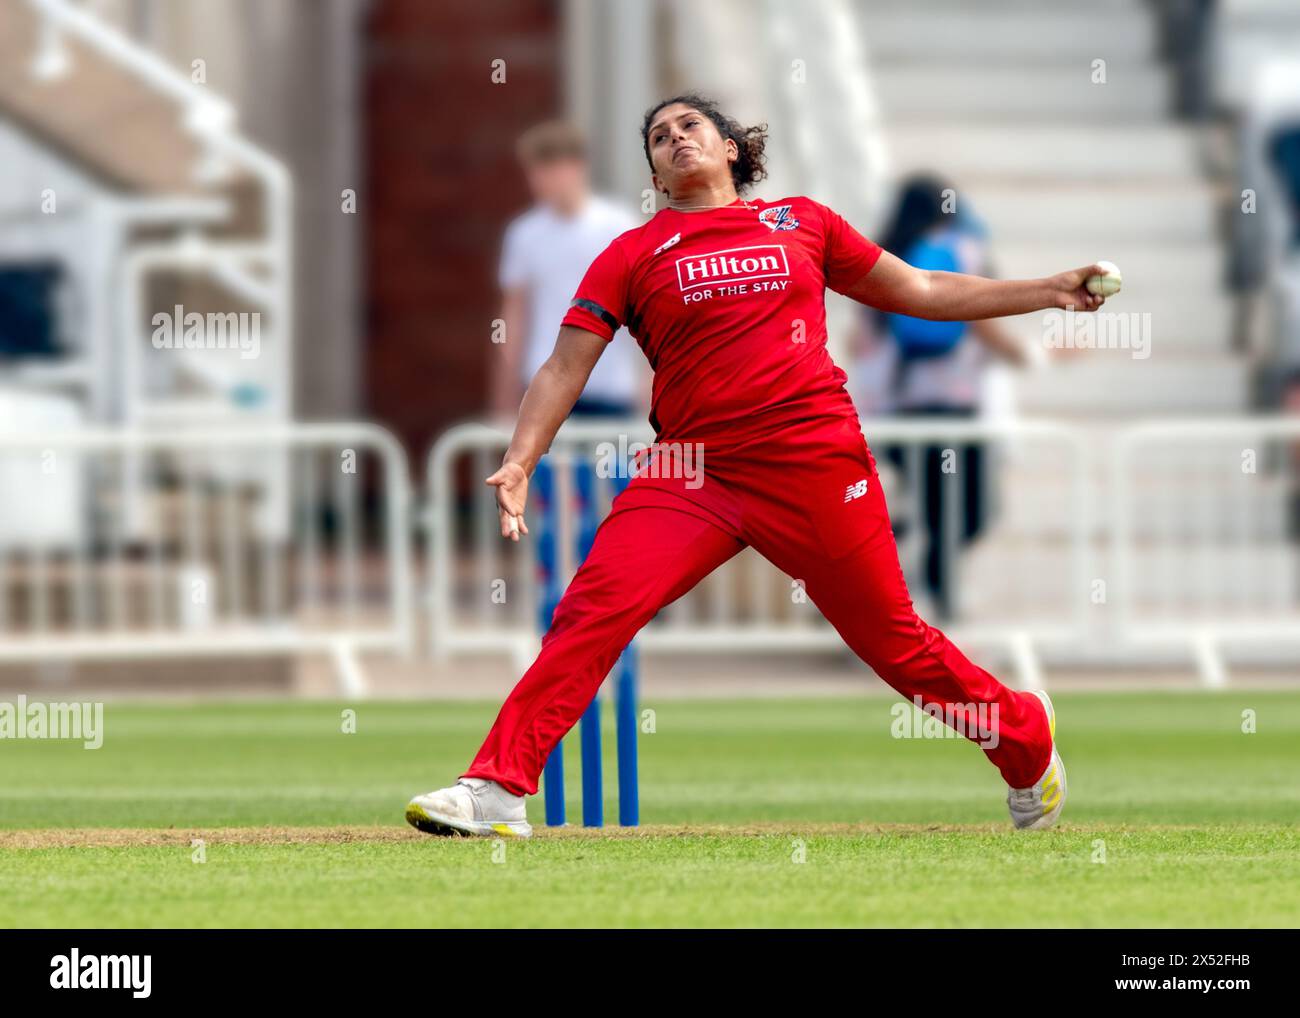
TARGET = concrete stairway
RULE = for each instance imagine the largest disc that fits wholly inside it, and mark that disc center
(1001, 100)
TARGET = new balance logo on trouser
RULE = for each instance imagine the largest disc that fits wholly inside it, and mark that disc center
(785, 497)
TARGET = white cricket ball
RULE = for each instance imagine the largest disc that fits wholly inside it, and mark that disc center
(1108, 283)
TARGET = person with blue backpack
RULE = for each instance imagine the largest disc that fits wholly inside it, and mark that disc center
(938, 370)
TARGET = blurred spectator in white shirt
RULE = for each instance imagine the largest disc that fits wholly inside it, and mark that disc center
(547, 251)
(910, 367)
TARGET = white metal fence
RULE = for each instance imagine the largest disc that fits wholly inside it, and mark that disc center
(231, 542)
(296, 539)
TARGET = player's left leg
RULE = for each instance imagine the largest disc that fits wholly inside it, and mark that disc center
(863, 595)
(834, 535)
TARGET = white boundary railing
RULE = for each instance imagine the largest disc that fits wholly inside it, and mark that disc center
(103, 533)
(142, 545)
(711, 618)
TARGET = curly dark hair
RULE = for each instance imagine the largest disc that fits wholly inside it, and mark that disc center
(751, 142)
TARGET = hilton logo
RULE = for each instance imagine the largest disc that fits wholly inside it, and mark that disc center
(737, 265)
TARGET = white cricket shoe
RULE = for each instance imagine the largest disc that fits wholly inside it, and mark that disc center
(472, 806)
(1039, 807)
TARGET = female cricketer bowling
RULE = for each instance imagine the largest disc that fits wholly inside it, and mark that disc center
(726, 298)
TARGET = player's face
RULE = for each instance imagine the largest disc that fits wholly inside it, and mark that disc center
(687, 151)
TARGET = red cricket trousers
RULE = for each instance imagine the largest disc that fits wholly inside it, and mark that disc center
(799, 499)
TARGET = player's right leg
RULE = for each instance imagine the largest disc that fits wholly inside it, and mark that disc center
(646, 554)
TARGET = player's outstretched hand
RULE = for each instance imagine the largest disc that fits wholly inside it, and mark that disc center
(1070, 289)
(511, 483)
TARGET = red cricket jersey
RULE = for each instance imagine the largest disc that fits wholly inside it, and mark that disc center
(729, 306)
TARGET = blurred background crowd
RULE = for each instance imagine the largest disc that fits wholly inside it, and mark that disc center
(377, 191)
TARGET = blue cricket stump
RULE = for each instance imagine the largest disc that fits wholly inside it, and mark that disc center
(547, 534)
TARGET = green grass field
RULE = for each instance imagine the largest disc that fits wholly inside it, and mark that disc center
(768, 812)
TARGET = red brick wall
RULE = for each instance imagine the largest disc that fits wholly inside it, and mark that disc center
(441, 185)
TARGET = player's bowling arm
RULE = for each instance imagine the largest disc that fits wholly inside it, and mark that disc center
(893, 285)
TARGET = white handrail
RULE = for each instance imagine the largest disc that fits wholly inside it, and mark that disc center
(156, 72)
(213, 120)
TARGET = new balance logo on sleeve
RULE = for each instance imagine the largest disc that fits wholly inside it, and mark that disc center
(666, 244)
(855, 490)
